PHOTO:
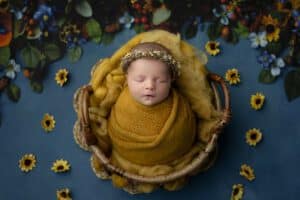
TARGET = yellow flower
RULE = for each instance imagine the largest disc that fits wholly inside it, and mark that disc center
(60, 166)
(48, 122)
(61, 77)
(212, 48)
(295, 4)
(63, 194)
(253, 136)
(232, 76)
(237, 192)
(272, 28)
(257, 101)
(27, 162)
(247, 172)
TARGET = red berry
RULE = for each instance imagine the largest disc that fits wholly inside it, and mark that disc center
(137, 6)
(146, 27)
(144, 20)
(137, 20)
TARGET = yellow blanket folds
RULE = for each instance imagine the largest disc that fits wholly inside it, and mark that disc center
(151, 135)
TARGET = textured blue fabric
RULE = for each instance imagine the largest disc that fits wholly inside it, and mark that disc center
(276, 159)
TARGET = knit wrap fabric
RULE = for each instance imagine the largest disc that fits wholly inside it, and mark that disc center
(151, 135)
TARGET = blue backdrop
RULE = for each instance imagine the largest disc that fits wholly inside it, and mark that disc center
(276, 160)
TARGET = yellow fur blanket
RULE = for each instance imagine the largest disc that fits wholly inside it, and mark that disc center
(108, 80)
(151, 135)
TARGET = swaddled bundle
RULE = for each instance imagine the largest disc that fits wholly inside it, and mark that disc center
(153, 135)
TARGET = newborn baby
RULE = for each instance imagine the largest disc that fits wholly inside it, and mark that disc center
(151, 123)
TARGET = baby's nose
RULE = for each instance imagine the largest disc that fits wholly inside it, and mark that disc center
(150, 85)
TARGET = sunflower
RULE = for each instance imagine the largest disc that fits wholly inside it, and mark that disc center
(60, 166)
(48, 122)
(232, 76)
(257, 101)
(253, 136)
(27, 162)
(272, 28)
(237, 192)
(63, 194)
(61, 77)
(212, 48)
(247, 172)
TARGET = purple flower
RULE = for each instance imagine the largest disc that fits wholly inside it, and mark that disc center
(266, 59)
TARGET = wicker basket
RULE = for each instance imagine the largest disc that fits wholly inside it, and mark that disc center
(86, 140)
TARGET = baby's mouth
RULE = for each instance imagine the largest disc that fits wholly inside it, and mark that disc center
(149, 95)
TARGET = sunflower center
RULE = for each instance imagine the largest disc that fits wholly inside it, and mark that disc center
(233, 75)
(212, 46)
(62, 76)
(257, 101)
(27, 162)
(47, 122)
(247, 172)
(270, 28)
(253, 136)
(60, 167)
(64, 194)
(236, 191)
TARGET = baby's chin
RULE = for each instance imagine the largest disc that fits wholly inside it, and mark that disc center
(149, 102)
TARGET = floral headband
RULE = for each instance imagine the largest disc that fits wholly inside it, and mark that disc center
(163, 56)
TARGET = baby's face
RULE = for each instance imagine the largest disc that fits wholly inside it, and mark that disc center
(149, 81)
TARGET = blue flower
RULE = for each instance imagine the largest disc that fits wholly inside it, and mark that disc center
(2, 29)
(126, 19)
(223, 14)
(44, 15)
(296, 16)
(266, 59)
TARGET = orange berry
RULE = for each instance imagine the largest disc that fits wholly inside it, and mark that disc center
(26, 73)
(225, 32)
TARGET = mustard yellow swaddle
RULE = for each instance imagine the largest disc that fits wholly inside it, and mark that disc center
(151, 135)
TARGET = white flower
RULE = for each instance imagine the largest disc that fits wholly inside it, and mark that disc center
(126, 19)
(258, 40)
(275, 70)
(12, 68)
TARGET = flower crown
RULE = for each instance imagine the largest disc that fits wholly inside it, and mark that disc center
(163, 56)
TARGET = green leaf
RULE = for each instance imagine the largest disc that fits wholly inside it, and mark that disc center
(191, 30)
(292, 84)
(138, 28)
(160, 15)
(52, 51)
(13, 92)
(4, 55)
(17, 28)
(107, 38)
(94, 30)
(84, 8)
(36, 86)
(234, 37)
(241, 30)
(274, 48)
(265, 76)
(31, 56)
(74, 53)
(214, 30)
